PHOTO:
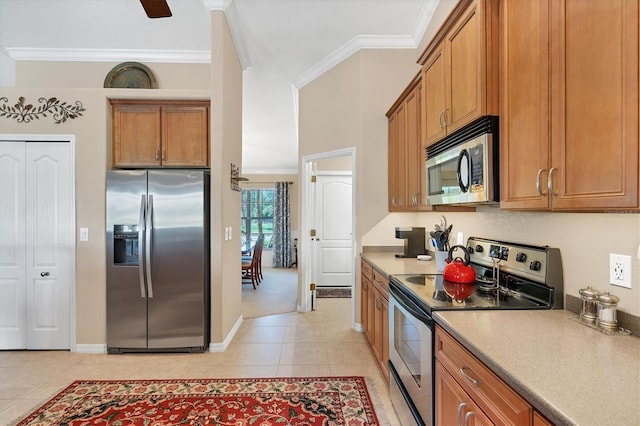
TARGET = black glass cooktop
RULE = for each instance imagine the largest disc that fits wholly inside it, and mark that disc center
(435, 293)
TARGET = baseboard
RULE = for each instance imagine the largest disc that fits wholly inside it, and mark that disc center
(358, 327)
(99, 348)
(221, 347)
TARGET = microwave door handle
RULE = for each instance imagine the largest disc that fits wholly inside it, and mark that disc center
(464, 154)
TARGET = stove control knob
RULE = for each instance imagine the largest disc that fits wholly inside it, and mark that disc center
(479, 248)
(535, 265)
(521, 257)
(470, 250)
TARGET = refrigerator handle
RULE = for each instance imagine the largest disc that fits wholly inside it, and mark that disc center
(147, 244)
(141, 249)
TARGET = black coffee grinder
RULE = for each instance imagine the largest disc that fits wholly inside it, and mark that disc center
(414, 241)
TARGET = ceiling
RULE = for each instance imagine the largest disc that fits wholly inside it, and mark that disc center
(282, 45)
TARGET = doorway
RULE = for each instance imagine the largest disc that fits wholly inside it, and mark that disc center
(314, 166)
(37, 251)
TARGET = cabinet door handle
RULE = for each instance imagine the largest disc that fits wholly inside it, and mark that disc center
(446, 123)
(44, 274)
(466, 376)
(467, 417)
(550, 181)
(538, 185)
(164, 155)
(441, 120)
(378, 304)
(459, 415)
(157, 154)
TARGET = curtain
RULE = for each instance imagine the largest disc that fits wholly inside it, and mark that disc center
(281, 227)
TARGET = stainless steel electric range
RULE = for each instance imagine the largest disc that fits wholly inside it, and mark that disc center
(508, 276)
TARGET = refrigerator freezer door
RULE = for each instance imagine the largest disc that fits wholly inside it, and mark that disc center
(126, 293)
(178, 309)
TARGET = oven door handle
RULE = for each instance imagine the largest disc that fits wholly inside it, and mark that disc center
(411, 307)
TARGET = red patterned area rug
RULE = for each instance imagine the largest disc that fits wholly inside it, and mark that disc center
(238, 402)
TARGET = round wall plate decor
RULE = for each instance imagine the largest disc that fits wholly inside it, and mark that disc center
(130, 75)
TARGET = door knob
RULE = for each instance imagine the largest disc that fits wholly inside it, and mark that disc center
(44, 274)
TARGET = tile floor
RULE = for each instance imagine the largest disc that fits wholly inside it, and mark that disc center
(319, 343)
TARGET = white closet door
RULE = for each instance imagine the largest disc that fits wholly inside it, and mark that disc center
(36, 245)
(13, 331)
(50, 244)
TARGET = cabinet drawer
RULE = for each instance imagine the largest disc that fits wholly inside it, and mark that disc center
(382, 284)
(366, 269)
(501, 403)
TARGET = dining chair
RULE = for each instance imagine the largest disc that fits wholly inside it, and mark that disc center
(251, 267)
(260, 244)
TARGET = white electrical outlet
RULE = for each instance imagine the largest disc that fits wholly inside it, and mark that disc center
(620, 270)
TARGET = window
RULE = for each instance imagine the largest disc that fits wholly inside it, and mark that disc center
(257, 214)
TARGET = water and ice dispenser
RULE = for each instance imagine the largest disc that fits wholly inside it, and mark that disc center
(125, 244)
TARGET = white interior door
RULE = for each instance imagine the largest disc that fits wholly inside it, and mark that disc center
(36, 263)
(13, 265)
(333, 223)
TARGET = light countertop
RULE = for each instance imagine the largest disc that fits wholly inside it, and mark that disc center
(387, 264)
(569, 372)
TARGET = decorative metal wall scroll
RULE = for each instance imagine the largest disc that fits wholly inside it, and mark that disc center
(25, 113)
(236, 178)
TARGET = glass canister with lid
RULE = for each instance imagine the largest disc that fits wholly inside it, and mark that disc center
(589, 312)
(607, 316)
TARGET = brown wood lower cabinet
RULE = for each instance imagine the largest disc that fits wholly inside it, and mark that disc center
(469, 393)
(374, 313)
(453, 405)
(366, 301)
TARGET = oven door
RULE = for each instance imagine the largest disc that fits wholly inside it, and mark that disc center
(410, 359)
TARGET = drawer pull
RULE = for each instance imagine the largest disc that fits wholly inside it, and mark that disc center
(469, 378)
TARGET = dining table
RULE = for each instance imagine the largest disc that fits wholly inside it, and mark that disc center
(247, 247)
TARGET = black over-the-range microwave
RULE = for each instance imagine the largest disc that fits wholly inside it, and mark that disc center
(464, 167)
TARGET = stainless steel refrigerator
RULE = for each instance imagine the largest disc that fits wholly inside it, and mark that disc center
(157, 260)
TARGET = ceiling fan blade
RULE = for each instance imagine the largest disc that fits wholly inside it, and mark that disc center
(156, 8)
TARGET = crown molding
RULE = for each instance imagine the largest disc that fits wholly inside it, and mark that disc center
(108, 55)
(348, 49)
(424, 17)
(231, 13)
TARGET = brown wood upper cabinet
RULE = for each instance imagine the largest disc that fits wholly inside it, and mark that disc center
(569, 105)
(460, 70)
(407, 179)
(160, 133)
